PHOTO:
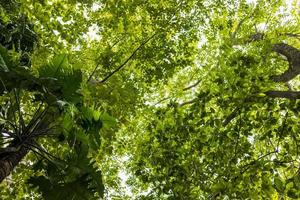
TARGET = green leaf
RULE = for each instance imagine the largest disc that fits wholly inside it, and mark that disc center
(293, 193)
(60, 61)
(108, 120)
(71, 190)
(61, 79)
(278, 184)
(3, 66)
(77, 178)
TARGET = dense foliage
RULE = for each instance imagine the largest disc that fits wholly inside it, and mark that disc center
(157, 99)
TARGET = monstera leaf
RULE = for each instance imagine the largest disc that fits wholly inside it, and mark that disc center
(91, 123)
(71, 190)
(6, 60)
(61, 79)
(13, 75)
(82, 124)
(78, 179)
(57, 81)
(3, 66)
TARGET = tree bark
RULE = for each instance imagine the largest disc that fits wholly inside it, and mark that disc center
(11, 156)
(283, 94)
(10, 159)
(293, 57)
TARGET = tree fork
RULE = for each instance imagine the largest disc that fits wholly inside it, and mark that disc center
(293, 57)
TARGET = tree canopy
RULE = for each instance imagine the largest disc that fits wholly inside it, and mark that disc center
(158, 99)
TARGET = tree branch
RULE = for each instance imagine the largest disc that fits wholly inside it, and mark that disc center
(164, 99)
(98, 63)
(237, 110)
(93, 72)
(230, 117)
(246, 167)
(293, 56)
(191, 86)
(127, 60)
(284, 94)
(291, 53)
(288, 51)
(233, 35)
(294, 35)
(189, 102)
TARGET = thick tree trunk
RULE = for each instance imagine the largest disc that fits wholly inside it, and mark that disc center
(10, 159)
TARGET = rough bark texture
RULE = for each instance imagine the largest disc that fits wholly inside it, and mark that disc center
(293, 56)
(9, 160)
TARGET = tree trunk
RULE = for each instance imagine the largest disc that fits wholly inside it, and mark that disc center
(10, 159)
(11, 155)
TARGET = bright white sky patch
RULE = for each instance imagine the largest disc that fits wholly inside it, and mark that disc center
(76, 48)
(124, 177)
(56, 32)
(92, 33)
(60, 20)
(95, 7)
(250, 139)
(202, 41)
(261, 27)
(286, 10)
(251, 2)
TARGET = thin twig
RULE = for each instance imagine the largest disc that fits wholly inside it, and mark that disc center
(240, 24)
(238, 136)
(189, 102)
(93, 72)
(98, 63)
(13, 127)
(60, 64)
(191, 86)
(11, 134)
(247, 166)
(6, 142)
(184, 89)
(128, 59)
(283, 126)
(238, 27)
(164, 99)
